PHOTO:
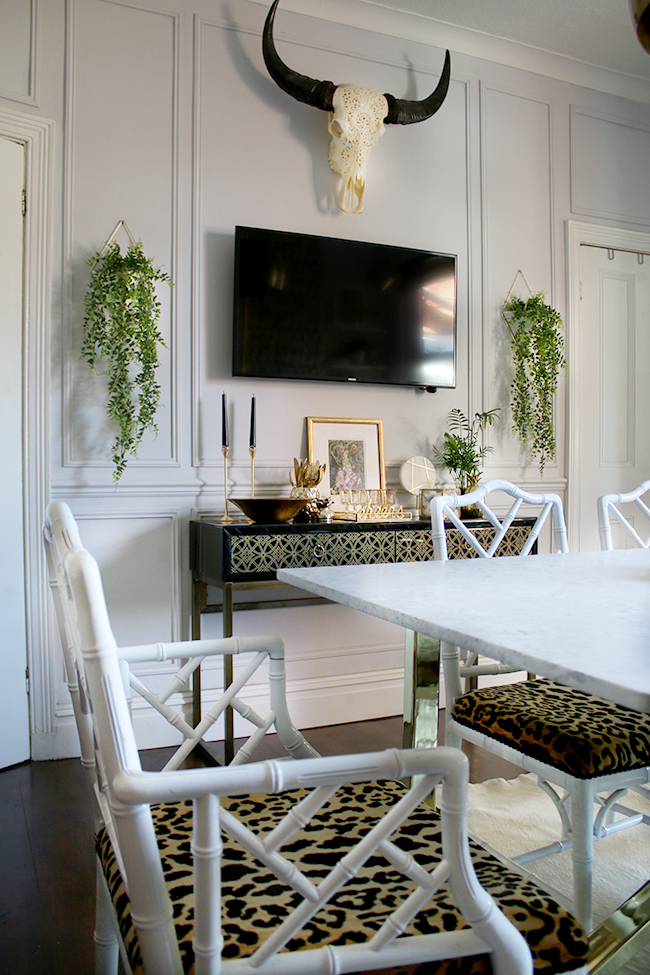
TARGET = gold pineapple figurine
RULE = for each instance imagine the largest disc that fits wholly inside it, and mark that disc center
(307, 477)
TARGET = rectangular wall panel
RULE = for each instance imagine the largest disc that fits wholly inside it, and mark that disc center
(610, 162)
(18, 49)
(616, 370)
(517, 231)
(122, 104)
(136, 556)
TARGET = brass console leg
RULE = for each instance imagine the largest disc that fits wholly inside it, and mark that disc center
(410, 667)
(199, 599)
(421, 691)
(229, 743)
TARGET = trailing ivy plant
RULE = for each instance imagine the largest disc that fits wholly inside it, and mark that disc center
(121, 340)
(537, 345)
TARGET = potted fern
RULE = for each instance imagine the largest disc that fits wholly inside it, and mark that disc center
(537, 346)
(460, 453)
(121, 340)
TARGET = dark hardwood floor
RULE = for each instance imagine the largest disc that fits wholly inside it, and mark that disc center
(47, 871)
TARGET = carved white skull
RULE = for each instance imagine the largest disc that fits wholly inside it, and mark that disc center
(355, 125)
(357, 115)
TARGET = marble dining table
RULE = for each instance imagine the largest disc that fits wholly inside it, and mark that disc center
(580, 619)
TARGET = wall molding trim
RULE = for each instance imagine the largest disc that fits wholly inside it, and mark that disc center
(36, 135)
(64, 490)
(195, 246)
(404, 25)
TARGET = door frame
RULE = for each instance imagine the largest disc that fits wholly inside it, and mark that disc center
(578, 234)
(36, 135)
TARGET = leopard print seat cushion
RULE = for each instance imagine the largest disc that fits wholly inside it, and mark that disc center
(578, 733)
(254, 901)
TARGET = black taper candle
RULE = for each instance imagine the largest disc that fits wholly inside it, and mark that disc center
(252, 441)
(224, 421)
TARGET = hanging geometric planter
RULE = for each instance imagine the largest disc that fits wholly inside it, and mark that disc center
(537, 346)
(121, 333)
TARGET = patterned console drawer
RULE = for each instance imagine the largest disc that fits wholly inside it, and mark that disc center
(355, 548)
(266, 553)
(413, 545)
(254, 553)
(416, 545)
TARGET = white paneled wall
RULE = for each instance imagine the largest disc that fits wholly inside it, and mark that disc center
(163, 115)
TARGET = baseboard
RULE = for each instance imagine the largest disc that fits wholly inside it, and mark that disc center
(62, 743)
(313, 703)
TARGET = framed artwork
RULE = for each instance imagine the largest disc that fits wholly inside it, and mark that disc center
(352, 450)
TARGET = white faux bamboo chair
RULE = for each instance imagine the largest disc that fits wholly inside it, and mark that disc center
(61, 534)
(608, 506)
(289, 867)
(590, 748)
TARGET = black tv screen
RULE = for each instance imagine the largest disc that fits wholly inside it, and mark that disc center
(327, 309)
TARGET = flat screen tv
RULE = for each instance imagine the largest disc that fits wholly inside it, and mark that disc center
(333, 310)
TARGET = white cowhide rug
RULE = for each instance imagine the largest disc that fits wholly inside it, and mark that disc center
(515, 815)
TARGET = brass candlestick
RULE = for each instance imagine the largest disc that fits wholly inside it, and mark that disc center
(226, 520)
(251, 451)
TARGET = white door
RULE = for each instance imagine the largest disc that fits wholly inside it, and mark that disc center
(613, 402)
(14, 710)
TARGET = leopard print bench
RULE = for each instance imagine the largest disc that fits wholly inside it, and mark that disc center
(578, 733)
(254, 901)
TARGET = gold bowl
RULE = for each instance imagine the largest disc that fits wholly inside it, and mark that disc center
(270, 511)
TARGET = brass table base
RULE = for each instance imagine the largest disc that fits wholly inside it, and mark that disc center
(622, 935)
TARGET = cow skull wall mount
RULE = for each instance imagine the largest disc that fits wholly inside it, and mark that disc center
(356, 115)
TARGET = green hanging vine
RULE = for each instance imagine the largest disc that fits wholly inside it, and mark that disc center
(537, 346)
(121, 332)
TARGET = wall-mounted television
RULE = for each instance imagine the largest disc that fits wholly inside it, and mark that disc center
(333, 310)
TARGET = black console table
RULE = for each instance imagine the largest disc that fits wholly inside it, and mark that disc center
(241, 556)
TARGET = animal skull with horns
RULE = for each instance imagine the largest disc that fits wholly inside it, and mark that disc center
(356, 115)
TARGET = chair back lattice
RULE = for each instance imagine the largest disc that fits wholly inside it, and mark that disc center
(130, 791)
(446, 506)
(460, 665)
(608, 507)
(61, 538)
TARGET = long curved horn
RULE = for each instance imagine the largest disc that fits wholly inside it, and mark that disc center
(403, 112)
(309, 90)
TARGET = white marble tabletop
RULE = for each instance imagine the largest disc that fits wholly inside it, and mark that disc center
(581, 619)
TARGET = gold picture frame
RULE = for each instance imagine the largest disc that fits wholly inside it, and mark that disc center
(351, 449)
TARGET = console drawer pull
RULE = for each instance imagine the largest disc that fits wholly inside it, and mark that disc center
(318, 550)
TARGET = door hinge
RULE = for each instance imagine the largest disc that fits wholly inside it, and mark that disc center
(27, 679)
(24, 203)
(581, 291)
